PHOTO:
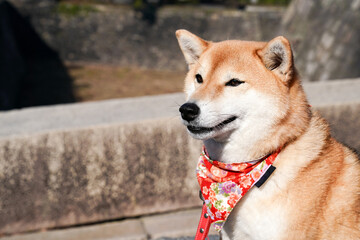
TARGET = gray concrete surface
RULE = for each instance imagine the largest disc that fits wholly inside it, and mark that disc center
(180, 225)
(177, 224)
(84, 163)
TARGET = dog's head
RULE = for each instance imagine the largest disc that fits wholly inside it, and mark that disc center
(235, 86)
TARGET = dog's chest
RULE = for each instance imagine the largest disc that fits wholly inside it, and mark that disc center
(259, 215)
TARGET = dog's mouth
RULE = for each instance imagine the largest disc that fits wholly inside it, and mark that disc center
(201, 130)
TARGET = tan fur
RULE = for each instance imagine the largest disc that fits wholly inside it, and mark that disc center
(324, 195)
(315, 191)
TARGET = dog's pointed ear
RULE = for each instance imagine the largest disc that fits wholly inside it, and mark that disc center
(191, 45)
(277, 57)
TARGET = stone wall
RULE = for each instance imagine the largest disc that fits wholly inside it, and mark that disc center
(119, 35)
(326, 37)
(325, 34)
(88, 162)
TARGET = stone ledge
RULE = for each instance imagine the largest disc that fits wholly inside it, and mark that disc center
(34, 120)
(333, 92)
(70, 177)
(89, 162)
(84, 115)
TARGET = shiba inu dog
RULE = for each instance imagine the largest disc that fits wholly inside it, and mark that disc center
(245, 101)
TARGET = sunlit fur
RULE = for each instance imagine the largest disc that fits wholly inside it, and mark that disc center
(315, 191)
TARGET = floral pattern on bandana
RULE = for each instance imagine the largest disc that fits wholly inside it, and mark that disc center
(223, 185)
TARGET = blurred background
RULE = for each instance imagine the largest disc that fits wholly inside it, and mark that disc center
(61, 51)
(106, 146)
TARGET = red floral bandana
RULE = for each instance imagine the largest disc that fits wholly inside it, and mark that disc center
(223, 185)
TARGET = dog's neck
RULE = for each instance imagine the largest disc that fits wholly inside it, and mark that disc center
(233, 150)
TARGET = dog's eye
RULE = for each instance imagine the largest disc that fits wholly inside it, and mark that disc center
(234, 82)
(199, 78)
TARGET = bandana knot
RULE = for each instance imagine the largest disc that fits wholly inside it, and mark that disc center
(223, 185)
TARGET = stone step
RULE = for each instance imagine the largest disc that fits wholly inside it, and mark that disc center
(174, 225)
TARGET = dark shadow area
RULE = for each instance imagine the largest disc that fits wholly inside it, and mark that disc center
(148, 9)
(31, 73)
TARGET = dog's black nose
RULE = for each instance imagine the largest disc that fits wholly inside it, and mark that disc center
(189, 111)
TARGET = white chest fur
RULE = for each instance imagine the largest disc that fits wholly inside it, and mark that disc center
(261, 214)
(265, 212)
